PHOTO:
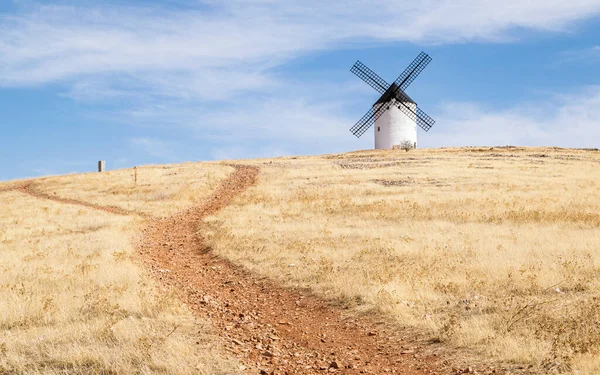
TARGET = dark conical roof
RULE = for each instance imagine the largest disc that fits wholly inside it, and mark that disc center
(401, 96)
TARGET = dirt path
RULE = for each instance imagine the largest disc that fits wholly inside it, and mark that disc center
(271, 330)
(29, 188)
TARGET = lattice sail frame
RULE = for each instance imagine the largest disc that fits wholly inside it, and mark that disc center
(370, 77)
(398, 97)
(412, 71)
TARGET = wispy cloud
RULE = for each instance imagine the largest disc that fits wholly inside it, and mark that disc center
(218, 48)
(569, 120)
(586, 55)
(271, 127)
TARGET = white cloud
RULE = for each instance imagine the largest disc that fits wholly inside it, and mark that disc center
(219, 48)
(585, 55)
(567, 120)
(271, 127)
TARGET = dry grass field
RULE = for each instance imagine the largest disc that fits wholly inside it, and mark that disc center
(495, 251)
(73, 297)
(160, 189)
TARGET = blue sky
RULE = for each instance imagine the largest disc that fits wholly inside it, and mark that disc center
(138, 82)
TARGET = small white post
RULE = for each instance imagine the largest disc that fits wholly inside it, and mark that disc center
(101, 165)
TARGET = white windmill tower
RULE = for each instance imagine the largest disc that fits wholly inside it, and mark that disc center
(395, 115)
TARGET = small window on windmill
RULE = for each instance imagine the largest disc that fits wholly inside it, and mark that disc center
(378, 128)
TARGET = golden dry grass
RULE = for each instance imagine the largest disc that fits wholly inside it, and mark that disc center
(491, 250)
(495, 251)
(160, 189)
(73, 297)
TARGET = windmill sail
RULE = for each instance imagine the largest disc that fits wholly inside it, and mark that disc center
(417, 115)
(414, 69)
(364, 123)
(370, 77)
(392, 95)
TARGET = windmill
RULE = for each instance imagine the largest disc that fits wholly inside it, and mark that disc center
(395, 115)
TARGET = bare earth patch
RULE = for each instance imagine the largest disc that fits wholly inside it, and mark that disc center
(272, 330)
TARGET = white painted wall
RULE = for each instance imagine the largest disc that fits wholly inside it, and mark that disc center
(393, 127)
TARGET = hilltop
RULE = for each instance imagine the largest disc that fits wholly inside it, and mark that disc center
(427, 261)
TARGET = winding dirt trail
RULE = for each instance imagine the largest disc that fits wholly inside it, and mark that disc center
(29, 189)
(270, 329)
